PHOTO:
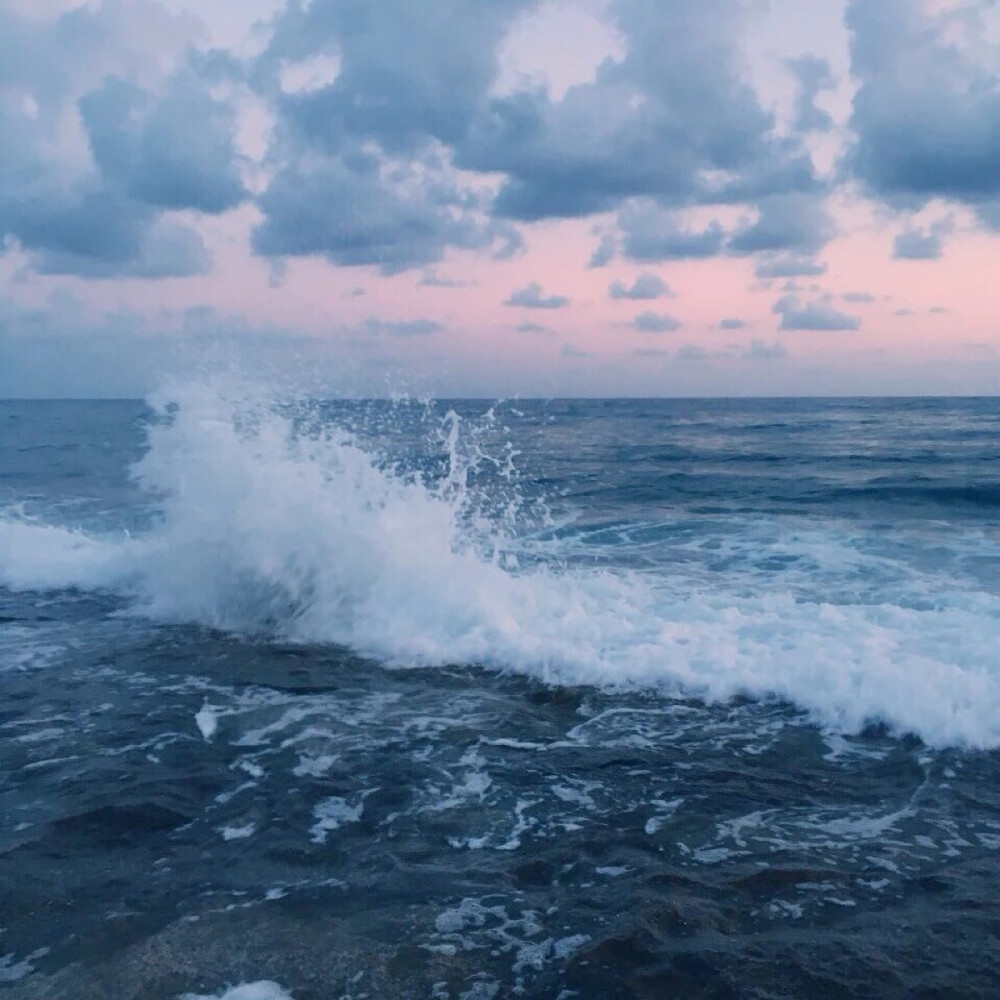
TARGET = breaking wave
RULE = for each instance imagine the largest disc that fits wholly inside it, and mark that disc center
(271, 525)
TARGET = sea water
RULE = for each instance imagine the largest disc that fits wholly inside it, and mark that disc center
(597, 698)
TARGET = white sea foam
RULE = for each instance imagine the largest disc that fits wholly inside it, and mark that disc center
(207, 721)
(263, 990)
(333, 813)
(269, 531)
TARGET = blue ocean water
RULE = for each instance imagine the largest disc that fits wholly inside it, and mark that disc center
(570, 698)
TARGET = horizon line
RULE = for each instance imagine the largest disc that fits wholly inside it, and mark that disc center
(500, 397)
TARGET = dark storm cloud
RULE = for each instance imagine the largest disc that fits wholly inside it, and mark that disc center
(653, 322)
(927, 111)
(646, 286)
(816, 315)
(531, 297)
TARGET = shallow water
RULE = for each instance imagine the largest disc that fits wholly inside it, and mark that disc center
(595, 699)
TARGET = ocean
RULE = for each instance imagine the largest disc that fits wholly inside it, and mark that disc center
(462, 700)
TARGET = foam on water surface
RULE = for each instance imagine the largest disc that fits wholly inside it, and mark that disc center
(263, 990)
(268, 529)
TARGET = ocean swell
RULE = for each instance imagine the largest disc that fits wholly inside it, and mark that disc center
(265, 529)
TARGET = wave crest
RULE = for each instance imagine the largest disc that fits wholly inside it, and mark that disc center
(268, 527)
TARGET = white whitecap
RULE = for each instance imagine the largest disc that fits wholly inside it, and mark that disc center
(262, 990)
(207, 721)
(268, 530)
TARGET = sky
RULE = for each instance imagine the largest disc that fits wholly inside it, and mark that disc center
(502, 198)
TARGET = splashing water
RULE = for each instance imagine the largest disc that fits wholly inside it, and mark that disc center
(270, 524)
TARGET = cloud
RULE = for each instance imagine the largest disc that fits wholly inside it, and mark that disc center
(374, 161)
(793, 224)
(531, 297)
(673, 120)
(692, 352)
(732, 324)
(94, 232)
(653, 322)
(403, 77)
(277, 272)
(789, 267)
(646, 286)
(173, 151)
(66, 349)
(163, 250)
(604, 252)
(926, 115)
(97, 208)
(653, 234)
(989, 214)
(570, 351)
(918, 244)
(364, 159)
(533, 328)
(348, 211)
(816, 315)
(813, 76)
(760, 350)
(98, 359)
(790, 223)
(434, 280)
(858, 298)
(401, 328)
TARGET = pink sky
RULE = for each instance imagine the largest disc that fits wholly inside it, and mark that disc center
(932, 325)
